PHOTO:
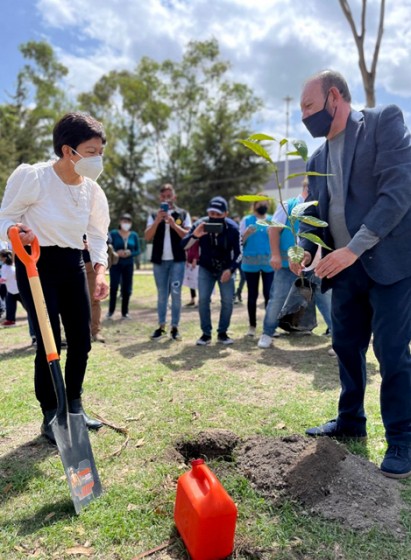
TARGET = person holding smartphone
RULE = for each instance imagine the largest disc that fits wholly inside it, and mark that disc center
(220, 255)
(165, 230)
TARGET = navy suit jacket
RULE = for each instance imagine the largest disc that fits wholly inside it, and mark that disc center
(377, 190)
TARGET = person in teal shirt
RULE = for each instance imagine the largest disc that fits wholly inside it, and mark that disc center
(127, 245)
(256, 260)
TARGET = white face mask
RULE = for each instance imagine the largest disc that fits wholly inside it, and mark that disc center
(91, 167)
(126, 226)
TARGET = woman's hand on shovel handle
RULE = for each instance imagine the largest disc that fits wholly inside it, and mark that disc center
(26, 234)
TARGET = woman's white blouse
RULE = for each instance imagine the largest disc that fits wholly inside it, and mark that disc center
(58, 214)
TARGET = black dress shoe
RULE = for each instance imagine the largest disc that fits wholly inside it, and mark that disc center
(75, 406)
(331, 429)
(45, 428)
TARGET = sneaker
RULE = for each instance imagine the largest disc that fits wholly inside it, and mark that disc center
(397, 462)
(331, 429)
(8, 323)
(331, 352)
(126, 317)
(251, 331)
(190, 304)
(158, 333)
(223, 338)
(204, 340)
(109, 315)
(265, 341)
(276, 335)
(174, 334)
(327, 332)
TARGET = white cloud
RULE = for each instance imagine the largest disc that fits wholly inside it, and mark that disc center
(272, 45)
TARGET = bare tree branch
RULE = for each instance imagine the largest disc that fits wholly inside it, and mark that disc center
(368, 76)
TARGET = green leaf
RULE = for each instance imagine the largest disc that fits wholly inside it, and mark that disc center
(260, 136)
(257, 149)
(301, 148)
(295, 253)
(312, 221)
(299, 209)
(251, 197)
(283, 141)
(315, 239)
(274, 223)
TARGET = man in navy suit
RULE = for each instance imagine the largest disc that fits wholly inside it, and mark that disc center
(366, 200)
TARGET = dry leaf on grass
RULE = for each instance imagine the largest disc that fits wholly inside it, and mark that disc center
(7, 488)
(80, 550)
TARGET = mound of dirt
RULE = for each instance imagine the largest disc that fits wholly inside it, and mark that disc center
(320, 474)
(325, 478)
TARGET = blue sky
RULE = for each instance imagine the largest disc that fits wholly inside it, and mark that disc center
(272, 45)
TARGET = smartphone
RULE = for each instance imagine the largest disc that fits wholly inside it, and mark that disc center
(164, 206)
(211, 227)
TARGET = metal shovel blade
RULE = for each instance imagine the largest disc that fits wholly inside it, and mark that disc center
(73, 443)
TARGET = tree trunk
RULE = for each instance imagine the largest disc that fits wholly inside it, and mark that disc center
(368, 76)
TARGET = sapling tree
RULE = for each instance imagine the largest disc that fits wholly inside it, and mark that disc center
(295, 252)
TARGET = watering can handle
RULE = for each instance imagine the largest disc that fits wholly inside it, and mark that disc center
(28, 260)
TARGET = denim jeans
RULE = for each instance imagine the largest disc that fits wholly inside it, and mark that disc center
(11, 309)
(169, 280)
(206, 282)
(283, 280)
(322, 301)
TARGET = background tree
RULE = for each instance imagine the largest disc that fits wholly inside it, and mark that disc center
(368, 76)
(176, 122)
(26, 122)
(123, 101)
(207, 113)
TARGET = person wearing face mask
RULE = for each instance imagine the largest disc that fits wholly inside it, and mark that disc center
(256, 259)
(366, 200)
(220, 255)
(280, 240)
(165, 229)
(126, 244)
(59, 201)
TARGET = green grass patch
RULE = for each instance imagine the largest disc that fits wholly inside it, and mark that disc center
(162, 391)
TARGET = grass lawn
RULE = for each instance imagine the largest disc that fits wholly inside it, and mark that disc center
(162, 391)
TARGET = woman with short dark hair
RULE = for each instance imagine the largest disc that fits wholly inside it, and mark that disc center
(58, 202)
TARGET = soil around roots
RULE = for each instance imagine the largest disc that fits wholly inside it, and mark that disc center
(319, 474)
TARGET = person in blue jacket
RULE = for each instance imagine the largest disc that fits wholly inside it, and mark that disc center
(126, 244)
(256, 259)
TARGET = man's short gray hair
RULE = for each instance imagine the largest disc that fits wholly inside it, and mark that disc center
(332, 78)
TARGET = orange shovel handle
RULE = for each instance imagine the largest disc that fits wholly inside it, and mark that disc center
(28, 260)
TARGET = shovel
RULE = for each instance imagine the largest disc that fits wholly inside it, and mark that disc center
(69, 430)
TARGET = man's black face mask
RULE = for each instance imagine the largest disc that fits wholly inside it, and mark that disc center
(319, 123)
